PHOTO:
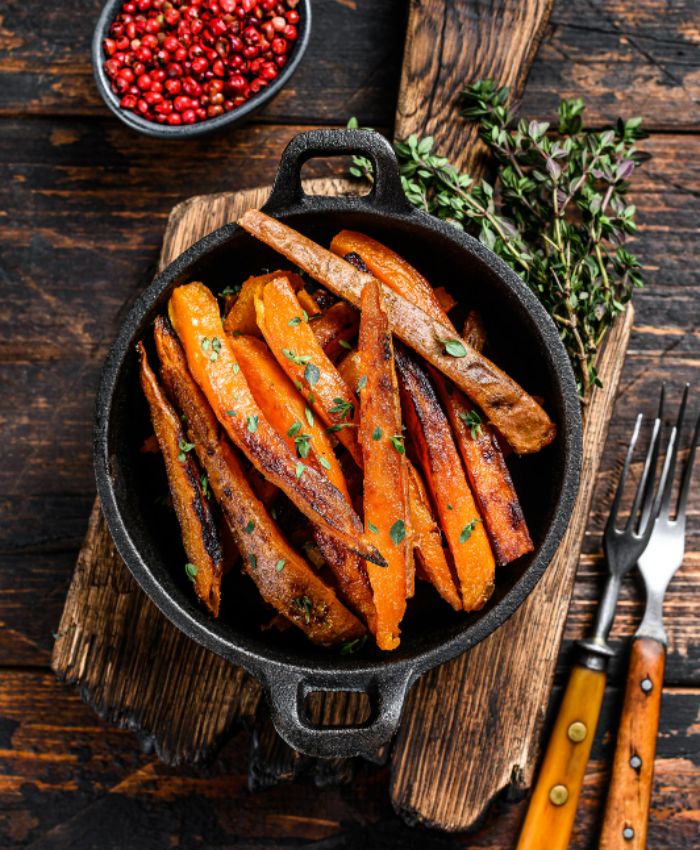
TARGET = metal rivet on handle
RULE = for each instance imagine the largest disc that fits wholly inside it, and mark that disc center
(628, 833)
(635, 762)
(577, 732)
(558, 795)
(647, 685)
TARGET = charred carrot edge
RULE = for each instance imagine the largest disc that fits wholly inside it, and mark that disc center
(285, 409)
(293, 343)
(386, 477)
(334, 328)
(458, 515)
(240, 318)
(195, 316)
(427, 542)
(445, 300)
(391, 269)
(488, 476)
(526, 426)
(474, 331)
(200, 536)
(283, 578)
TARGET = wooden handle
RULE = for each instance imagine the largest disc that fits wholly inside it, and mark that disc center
(627, 808)
(552, 809)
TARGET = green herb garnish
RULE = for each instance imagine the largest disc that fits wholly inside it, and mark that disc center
(191, 571)
(473, 421)
(397, 532)
(468, 529)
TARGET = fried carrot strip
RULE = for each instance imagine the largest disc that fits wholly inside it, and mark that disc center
(200, 536)
(350, 368)
(474, 332)
(285, 409)
(488, 475)
(459, 518)
(195, 317)
(386, 477)
(240, 319)
(427, 541)
(294, 345)
(307, 302)
(516, 414)
(283, 578)
(339, 322)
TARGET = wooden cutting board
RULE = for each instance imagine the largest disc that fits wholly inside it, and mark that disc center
(470, 728)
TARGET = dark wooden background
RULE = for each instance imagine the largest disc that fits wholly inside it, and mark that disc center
(83, 204)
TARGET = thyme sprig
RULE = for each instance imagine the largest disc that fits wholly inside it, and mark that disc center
(556, 211)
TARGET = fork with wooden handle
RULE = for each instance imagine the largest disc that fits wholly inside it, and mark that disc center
(550, 815)
(627, 809)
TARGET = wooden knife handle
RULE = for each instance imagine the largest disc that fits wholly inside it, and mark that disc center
(627, 808)
(550, 816)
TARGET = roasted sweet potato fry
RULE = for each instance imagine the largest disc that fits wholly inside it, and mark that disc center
(200, 536)
(517, 415)
(306, 299)
(195, 317)
(350, 577)
(283, 577)
(285, 409)
(240, 319)
(335, 328)
(427, 542)
(445, 300)
(459, 518)
(293, 343)
(474, 331)
(386, 476)
(350, 368)
(488, 475)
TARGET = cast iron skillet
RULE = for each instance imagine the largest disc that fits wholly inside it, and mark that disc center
(524, 342)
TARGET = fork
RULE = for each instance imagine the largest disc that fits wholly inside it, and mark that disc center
(550, 815)
(627, 809)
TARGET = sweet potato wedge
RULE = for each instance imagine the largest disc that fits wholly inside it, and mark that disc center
(350, 576)
(194, 314)
(458, 515)
(240, 319)
(386, 476)
(350, 368)
(306, 299)
(488, 476)
(283, 577)
(335, 328)
(526, 426)
(294, 344)
(474, 331)
(285, 409)
(427, 542)
(200, 536)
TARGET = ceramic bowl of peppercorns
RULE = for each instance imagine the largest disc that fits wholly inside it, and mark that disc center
(184, 68)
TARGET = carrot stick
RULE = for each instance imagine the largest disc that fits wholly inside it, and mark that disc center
(386, 477)
(294, 345)
(200, 536)
(474, 332)
(240, 319)
(458, 515)
(334, 328)
(283, 578)
(517, 415)
(195, 317)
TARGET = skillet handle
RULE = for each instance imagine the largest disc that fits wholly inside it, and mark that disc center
(386, 192)
(287, 692)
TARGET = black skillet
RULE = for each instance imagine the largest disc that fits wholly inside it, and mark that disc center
(523, 340)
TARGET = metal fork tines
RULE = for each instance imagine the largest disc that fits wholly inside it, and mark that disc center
(623, 546)
(664, 552)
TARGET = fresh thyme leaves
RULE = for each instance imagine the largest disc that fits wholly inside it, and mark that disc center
(342, 408)
(339, 426)
(350, 647)
(562, 215)
(303, 445)
(299, 470)
(191, 571)
(311, 374)
(298, 359)
(309, 416)
(250, 526)
(453, 347)
(343, 343)
(362, 383)
(377, 434)
(253, 561)
(236, 368)
(294, 428)
(295, 320)
(184, 447)
(372, 527)
(468, 529)
(206, 490)
(397, 532)
(216, 349)
(472, 420)
(252, 424)
(326, 464)
(397, 442)
(279, 566)
(305, 605)
(230, 290)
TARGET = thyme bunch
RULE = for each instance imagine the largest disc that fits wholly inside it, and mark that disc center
(556, 211)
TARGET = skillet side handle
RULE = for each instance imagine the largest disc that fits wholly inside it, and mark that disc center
(386, 193)
(287, 692)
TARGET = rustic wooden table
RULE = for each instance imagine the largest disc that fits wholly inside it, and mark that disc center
(83, 203)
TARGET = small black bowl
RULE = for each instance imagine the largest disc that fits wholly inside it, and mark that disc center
(202, 128)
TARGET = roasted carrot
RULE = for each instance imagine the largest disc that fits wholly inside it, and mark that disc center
(285, 409)
(445, 300)
(474, 332)
(386, 476)
(200, 536)
(283, 577)
(335, 328)
(350, 368)
(427, 542)
(195, 317)
(293, 343)
(488, 475)
(240, 319)
(458, 515)
(350, 576)
(306, 299)
(517, 415)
